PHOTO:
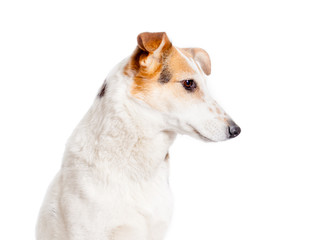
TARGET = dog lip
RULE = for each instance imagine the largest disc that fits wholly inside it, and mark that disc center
(200, 135)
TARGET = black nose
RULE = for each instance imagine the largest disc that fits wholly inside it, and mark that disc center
(234, 131)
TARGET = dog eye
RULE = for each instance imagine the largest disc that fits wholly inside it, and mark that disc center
(189, 85)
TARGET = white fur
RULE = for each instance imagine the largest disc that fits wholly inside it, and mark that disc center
(113, 183)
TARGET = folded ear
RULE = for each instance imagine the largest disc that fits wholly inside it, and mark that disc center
(153, 46)
(153, 42)
(202, 57)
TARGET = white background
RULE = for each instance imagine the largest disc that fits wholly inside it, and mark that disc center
(265, 184)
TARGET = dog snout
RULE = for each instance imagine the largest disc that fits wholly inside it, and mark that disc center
(234, 130)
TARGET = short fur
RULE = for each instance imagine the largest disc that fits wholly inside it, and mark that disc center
(113, 182)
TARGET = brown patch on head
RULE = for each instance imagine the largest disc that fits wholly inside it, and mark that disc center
(200, 56)
(148, 59)
(180, 68)
(179, 64)
(158, 69)
(150, 46)
(218, 110)
(150, 42)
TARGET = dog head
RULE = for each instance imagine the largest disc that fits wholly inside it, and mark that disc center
(172, 81)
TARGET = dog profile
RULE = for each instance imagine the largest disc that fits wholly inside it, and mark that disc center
(113, 182)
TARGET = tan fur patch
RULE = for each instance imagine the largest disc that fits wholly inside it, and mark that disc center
(150, 42)
(201, 56)
(147, 65)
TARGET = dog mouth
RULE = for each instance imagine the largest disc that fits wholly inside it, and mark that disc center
(206, 139)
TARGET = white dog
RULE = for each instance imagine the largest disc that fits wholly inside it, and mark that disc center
(113, 183)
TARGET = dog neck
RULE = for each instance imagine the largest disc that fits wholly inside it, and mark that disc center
(119, 134)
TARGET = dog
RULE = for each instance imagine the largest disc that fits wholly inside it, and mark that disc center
(113, 182)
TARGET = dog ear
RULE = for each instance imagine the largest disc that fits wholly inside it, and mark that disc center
(153, 42)
(202, 57)
(153, 46)
(149, 53)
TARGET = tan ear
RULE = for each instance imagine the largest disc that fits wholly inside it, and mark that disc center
(152, 42)
(152, 47)
(202, 57)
